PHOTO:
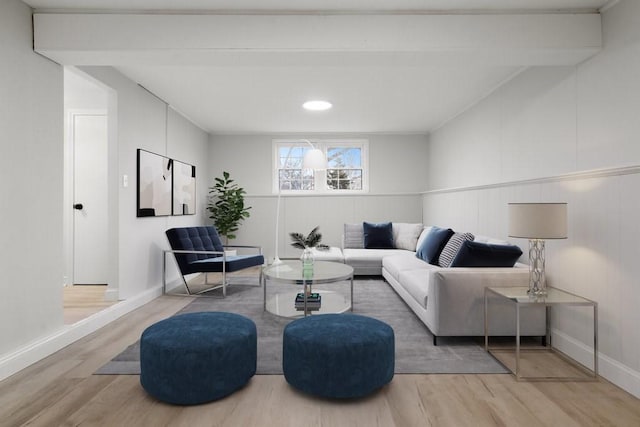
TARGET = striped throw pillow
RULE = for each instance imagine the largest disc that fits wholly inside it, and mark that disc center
(452, 247)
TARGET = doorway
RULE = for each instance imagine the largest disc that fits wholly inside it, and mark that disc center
(87, 209)
(90, 220)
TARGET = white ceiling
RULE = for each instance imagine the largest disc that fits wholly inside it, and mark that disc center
(370, 94)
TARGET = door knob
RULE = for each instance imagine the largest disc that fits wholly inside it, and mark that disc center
(78, 206)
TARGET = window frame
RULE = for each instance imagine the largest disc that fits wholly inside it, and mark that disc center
(320, 176)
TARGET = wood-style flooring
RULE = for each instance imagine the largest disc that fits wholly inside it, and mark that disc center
(61, 391)
(82, 301)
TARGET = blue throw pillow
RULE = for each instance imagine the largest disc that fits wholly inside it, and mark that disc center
(433, 244)
(378, 235)
(475, 254)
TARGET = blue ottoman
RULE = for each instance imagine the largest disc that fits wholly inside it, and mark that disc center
(338, 355)
(197, 357)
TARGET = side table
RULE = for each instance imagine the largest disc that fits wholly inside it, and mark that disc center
(555, 298)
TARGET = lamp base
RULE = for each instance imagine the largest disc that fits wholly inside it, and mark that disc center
(537, 281)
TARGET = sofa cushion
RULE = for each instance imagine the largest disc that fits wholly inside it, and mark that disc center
(476, 254)
(452, 247)
(433, 244)
(405, 236)
(423, 235)
(353, 236)
(369, 261)
(378, 235)
(395, 264)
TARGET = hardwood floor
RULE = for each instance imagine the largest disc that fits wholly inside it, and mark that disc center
(61, 391)
(81, 301)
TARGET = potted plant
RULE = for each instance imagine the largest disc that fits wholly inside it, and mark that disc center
(226, 205)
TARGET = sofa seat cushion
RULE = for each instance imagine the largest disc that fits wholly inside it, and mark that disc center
(416, 283)
(332, 254)
(371, 255)
(368, 261)
(395, 264)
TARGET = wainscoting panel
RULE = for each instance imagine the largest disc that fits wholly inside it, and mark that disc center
(302, 213)
(599, 260)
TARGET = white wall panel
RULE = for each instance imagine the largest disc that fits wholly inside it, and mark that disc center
(566, 134)
(398, 173)
(31, 188)
(146, 122)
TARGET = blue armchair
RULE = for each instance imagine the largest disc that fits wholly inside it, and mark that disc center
(200, 250)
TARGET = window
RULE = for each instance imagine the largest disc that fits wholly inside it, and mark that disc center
(346, 167)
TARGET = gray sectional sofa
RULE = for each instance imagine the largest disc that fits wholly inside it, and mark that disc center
(449, 300)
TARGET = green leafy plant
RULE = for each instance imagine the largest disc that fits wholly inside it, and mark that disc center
(227, 206)
(311, 241)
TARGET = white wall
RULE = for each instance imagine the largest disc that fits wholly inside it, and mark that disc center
(146, 122)
(520, 143)
(398, 174)
(31, 135)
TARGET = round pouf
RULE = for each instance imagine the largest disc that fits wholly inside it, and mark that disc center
(197, 357)
(338, 355)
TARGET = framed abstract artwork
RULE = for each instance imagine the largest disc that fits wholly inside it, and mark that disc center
(155, 180)
(184, 188)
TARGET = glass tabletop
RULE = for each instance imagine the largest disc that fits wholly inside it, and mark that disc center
(323, 272)
(520, 295)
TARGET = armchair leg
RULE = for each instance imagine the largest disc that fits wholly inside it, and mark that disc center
(186, 285)
(224, 283)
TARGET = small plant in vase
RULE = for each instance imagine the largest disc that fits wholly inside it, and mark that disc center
(311, 241)
(306, 243)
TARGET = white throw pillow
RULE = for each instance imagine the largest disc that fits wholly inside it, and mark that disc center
(405, 236)
(353, 236)
(423, 236)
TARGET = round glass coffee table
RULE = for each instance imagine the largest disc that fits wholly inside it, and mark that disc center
(287, 302)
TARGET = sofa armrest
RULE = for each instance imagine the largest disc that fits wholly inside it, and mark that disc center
(456, 302)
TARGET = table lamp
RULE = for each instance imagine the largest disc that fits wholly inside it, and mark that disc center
(537, 222)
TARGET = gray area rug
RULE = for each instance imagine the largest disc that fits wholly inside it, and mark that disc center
(415, 352)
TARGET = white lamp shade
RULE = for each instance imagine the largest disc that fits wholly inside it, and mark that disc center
(314, 159)
(538, 220)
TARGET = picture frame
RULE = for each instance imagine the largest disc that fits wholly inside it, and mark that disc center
(184, 189)
(154, 184)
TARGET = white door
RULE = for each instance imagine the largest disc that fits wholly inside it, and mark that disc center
(90, 233)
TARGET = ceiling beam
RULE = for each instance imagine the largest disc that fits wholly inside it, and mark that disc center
(113, 39)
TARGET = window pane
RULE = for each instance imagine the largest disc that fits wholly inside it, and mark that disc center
(344, 157)
(344, 179)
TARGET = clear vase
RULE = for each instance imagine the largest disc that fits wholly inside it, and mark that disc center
(307, 263)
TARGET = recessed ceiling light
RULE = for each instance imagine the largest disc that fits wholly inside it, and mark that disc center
(316, 105)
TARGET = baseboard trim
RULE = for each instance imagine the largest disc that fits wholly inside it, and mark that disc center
(614, 371)
(111, 295)
(33, 352)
